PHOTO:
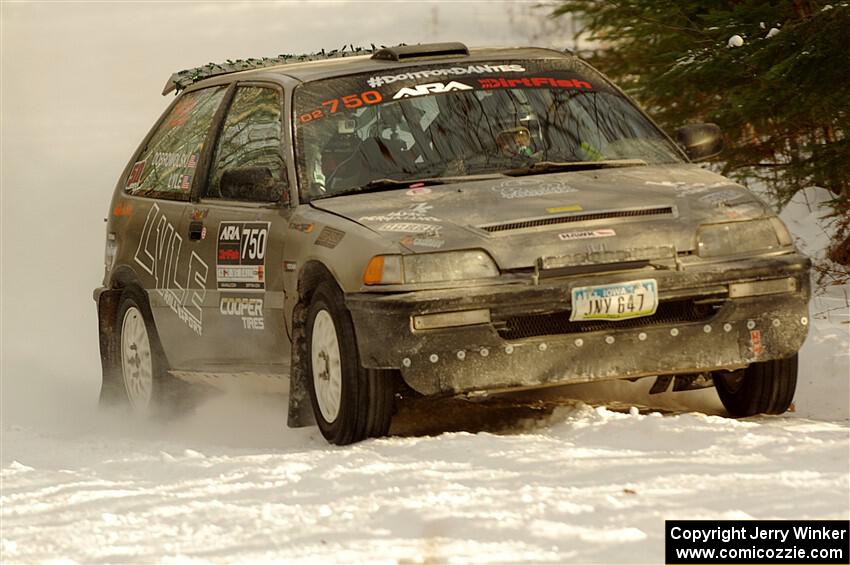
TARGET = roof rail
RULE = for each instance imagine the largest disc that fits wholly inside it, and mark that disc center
(403, 52)
(181, 79)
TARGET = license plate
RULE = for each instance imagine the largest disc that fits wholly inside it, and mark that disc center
(620, 301)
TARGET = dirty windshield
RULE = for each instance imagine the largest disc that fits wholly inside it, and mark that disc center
(450, 121)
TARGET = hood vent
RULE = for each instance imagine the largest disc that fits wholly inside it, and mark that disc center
(570, 218)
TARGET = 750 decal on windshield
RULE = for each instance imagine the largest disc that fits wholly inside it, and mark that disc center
(350, 101)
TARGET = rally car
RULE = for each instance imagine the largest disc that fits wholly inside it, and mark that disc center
(436, 220)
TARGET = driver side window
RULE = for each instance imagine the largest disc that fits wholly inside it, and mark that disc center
(248, 163)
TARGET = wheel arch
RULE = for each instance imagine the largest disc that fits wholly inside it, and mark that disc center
(121, 280)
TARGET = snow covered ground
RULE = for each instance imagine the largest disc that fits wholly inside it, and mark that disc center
(553, 481)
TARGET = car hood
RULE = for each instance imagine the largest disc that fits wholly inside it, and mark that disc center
(520, 219)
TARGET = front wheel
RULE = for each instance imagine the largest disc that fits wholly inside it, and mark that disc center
(762, 388)
(350, 403)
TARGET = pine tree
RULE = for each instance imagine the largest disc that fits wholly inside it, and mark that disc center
(780, 90)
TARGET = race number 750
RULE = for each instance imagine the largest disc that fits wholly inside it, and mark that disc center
(254, 243)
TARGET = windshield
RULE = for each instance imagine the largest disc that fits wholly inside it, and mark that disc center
(455, 121)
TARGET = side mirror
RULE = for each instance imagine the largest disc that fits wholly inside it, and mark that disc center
(254, 184)
(700, 141)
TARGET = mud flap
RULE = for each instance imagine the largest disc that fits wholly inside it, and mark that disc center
(112, 387)
(681, 383)
(661, 384)
(692, 382)
(300, 408)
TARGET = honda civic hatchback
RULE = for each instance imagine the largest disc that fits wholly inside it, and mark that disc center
(435, 220)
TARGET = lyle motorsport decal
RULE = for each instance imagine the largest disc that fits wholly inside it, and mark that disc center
(178, 279)
(241, 255)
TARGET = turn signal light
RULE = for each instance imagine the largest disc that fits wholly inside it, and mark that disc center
(374, 270)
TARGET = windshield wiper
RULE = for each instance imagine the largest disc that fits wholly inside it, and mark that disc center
(389, 184)
(555, 166)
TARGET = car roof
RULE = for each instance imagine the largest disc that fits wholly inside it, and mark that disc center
(339, 65)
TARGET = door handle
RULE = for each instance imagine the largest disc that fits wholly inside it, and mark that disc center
(196, 230)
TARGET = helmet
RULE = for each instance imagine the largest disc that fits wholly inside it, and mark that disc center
(515, 141)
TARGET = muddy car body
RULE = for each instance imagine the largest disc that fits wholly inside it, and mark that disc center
(455, 220)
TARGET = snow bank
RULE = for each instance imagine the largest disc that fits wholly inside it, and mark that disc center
(823, 387)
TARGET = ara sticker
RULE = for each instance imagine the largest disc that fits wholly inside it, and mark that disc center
(329, 237)
(241, 255)
(586, 234)
(430, 88)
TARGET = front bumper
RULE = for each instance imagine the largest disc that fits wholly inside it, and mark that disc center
(733, 333)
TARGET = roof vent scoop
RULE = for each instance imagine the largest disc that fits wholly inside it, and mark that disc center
(403, 52)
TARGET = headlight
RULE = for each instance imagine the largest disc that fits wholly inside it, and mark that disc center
(429, 268)
(738, 238)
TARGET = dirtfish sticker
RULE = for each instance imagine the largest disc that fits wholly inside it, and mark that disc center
(241, 255)
(377, 81)
(249, 309)
(534, 82)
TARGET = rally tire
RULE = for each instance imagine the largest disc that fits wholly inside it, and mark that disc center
(140, 381)
(349, 403)
(762, 388)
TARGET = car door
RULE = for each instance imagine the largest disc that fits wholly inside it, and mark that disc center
(158, 188)
(238, 226)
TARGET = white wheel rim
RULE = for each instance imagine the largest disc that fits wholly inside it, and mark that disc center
(326, 365)
(136, 361)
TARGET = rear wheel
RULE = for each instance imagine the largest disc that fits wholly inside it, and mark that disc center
(137, 364)
(762, 388)
(350, 403)
(140, 379)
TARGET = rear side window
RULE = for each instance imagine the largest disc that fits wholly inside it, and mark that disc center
(167, 165)
(249, 146)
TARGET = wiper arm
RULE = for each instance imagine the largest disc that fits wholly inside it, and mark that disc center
(387, 183)
(555, 166)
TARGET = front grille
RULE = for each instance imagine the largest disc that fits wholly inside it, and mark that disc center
(668, 312)
(551, 221)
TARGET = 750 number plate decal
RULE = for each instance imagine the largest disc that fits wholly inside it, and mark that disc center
(620, 301)
(241, 255)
